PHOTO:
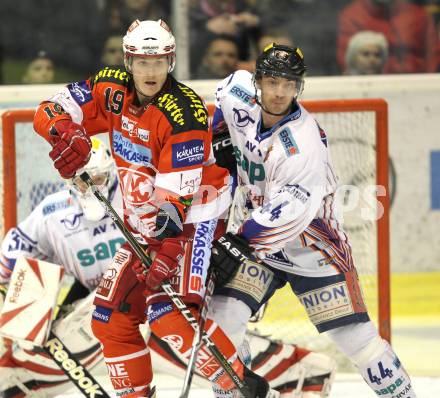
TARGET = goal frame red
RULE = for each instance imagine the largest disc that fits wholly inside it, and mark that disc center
(380, 108)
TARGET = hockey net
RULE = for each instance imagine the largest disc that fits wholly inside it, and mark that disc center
(357, 135)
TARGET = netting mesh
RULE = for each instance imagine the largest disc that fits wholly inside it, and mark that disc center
(352, 137)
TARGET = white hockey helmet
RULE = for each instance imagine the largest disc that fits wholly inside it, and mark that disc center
(149, 38)
(101, 168)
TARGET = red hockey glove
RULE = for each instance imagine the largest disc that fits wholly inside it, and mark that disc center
(71, 147)
(137, 266)
(165, 265)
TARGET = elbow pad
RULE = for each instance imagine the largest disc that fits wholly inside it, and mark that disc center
(169, 222)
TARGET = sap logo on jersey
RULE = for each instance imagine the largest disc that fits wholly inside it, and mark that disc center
(188, 153)
(130, 152)
(289, 144)
(327, 303)
(80, 92)
(102, 314)
(200, 254)
(242, 118)
(158, 310)
(242, 94)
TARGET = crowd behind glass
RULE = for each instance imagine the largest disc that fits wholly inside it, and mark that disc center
(54, 41)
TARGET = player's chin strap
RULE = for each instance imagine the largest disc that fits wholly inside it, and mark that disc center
(167, 288)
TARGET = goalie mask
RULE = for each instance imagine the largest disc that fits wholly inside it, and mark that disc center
(149, 39)
(102, 170)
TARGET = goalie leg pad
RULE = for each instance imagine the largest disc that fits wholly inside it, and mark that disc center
(377, 362)
(293, 371)
(37, 372)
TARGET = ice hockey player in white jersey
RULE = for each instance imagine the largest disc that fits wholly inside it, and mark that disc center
(285, 215)
(70, 228)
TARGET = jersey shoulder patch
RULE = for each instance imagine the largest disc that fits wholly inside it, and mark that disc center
(183, 108)
(111, 74)
(55, 202)
(288, 142)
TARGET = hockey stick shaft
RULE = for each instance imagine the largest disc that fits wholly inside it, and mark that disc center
(71, 367)
(168, 289)
(197, 342)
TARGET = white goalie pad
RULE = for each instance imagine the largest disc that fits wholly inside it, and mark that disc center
(27, 313)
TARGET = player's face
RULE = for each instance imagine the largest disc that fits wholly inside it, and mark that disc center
(149, 74)
(277, 93)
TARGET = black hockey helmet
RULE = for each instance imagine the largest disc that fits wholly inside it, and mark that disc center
(283, 61)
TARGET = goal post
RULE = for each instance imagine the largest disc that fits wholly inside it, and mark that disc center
(357, 130)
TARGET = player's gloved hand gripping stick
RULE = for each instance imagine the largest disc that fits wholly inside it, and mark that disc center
(168, 289)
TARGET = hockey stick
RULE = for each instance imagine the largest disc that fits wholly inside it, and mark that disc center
(71, 367)
(168, 289)
(197, 341)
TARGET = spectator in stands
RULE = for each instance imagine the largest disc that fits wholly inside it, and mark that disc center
(367, 53)
(220, 58)
(112, 54)
(40, 70)
(123, 12)
(278, 35)
(312, 24)
(408, 28)
(222, 17)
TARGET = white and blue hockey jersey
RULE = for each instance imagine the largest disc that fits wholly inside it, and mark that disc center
(285, 176)
(56, 231)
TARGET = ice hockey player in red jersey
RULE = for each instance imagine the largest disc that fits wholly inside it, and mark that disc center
(162, 148)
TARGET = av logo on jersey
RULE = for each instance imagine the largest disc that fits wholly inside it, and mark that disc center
(130, 152)
(242, 117)
(189, 153)
(80, 92)
(72, 221)
(242, 94)
(137, 187)
(288, 142)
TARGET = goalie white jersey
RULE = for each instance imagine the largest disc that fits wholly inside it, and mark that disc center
(57, 231)
(285, 175)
